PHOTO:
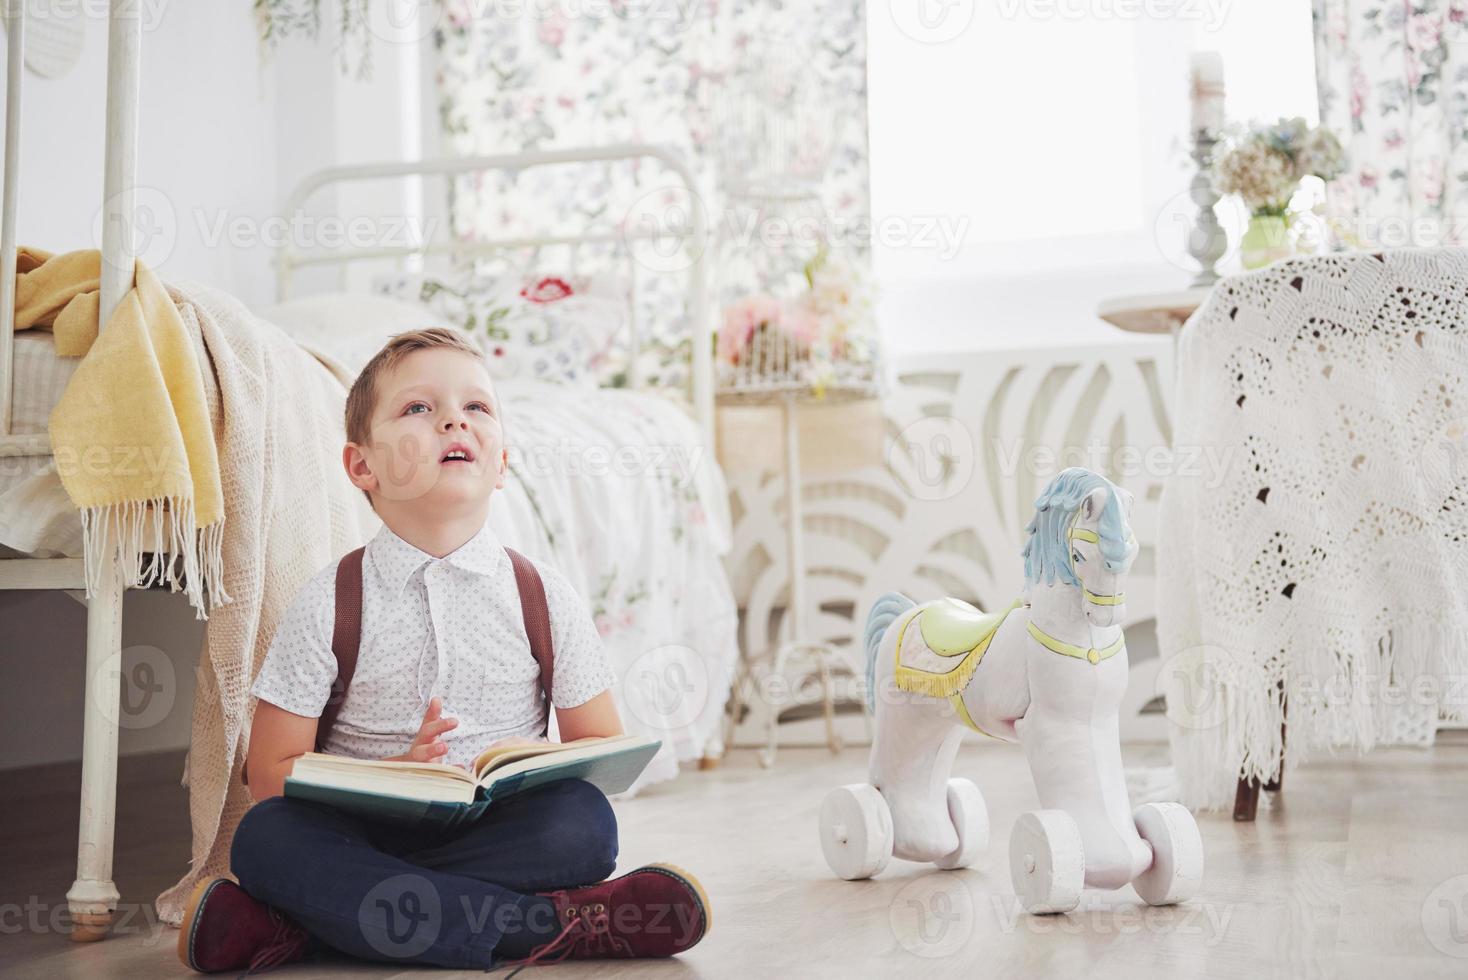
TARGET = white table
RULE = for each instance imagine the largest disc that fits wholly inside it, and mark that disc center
(1153, 312)
(796, 433)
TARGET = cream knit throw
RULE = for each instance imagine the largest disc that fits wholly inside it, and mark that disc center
(277, 415)
(1313, 540)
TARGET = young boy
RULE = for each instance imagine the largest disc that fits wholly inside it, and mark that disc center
(444, 669)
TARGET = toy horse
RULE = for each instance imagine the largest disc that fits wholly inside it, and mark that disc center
(1049, 672)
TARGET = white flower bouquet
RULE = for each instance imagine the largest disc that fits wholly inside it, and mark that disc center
(1265, 165)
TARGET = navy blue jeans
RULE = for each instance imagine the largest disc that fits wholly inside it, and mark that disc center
(382, 892)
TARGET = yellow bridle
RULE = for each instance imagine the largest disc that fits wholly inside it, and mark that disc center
(1083, 534)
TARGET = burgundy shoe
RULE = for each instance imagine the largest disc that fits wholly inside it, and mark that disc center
(656, 910)
(225, 929)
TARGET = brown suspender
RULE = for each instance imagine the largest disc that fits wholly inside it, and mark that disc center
(346, 633)
(346, 639)
(535, 612)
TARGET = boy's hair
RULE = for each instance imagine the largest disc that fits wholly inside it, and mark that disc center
(362, 399)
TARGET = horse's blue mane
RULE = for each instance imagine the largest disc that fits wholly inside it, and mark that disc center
(1047, 550)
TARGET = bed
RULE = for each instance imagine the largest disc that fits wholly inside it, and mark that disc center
(643, 543)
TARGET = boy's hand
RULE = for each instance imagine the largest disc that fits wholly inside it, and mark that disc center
(427, 746)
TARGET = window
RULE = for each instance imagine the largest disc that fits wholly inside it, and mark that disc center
(1052, 134)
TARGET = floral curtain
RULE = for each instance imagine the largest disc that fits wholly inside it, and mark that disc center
(1393, 83)
(524, 76)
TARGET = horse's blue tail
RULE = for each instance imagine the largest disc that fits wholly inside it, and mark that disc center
(888, 607)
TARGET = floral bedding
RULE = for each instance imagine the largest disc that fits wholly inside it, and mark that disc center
(560, 328)
(616, 489)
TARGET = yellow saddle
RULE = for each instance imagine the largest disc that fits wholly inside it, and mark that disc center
(951, 626)
(940, 657)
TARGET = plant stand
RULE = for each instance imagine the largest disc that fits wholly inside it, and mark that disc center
(783, 678)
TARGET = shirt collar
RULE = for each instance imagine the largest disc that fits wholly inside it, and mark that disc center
(395, 560)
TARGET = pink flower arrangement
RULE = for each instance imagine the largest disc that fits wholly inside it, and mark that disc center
(742, 319)
(827, 327)
(798, 319)
(801, 323)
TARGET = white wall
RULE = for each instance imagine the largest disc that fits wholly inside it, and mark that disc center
(206, 144)
(224, 135)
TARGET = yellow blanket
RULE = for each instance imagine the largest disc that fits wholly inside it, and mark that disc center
(131, 435)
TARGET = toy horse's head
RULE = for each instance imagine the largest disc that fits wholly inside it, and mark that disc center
(1080, 537)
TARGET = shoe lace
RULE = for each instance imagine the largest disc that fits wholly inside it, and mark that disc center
(586, 932)
(287, 943)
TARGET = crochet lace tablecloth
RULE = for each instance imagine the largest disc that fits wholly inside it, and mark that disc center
(1311, 547)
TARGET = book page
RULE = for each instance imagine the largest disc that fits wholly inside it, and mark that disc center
(496, 756)
(320, 760)
(581, 748)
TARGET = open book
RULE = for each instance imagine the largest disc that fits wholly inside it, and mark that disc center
(447, 796)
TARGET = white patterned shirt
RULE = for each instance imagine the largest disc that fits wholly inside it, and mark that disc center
(447, 626)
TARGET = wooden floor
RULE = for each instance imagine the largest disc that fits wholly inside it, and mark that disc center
(1360, 870)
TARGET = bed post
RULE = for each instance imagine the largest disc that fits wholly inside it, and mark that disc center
(93, 897)
(14, 12)
(703, 355)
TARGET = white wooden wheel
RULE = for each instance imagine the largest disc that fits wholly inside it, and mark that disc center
(856, 831)
(1177, 854)
(970, 816)
(1047, 862)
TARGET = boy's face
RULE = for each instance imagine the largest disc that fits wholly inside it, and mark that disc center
(436, 440)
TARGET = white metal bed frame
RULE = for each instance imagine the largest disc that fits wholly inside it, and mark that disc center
(291, 258)
(93, 897)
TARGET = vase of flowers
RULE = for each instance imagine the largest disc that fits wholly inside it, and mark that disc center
(1266, 240)
(1264, 167)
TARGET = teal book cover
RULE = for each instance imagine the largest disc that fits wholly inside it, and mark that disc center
(611, 773)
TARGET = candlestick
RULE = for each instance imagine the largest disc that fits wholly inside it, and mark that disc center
(1207, 92)
(1208, 240)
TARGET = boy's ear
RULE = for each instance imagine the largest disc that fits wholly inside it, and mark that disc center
(504, 467)
(355, 463)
